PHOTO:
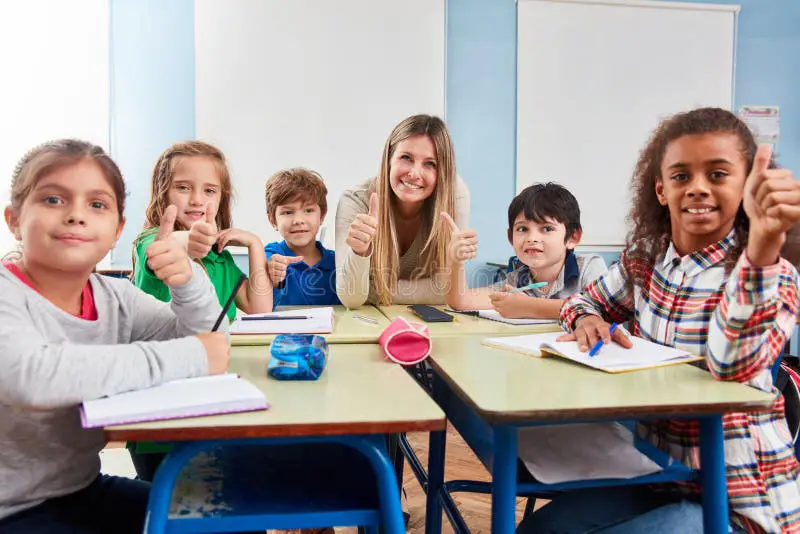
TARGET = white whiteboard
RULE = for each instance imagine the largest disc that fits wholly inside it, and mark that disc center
(593, 80)
(54, 57)
(314, 83)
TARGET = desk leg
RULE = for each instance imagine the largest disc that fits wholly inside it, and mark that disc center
(712, 476)
(504, 479)
(436, 453)
(164, 483)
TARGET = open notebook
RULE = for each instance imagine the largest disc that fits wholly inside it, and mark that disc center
(611, 359)
(494, 315)
(301, 321)
(190, 397)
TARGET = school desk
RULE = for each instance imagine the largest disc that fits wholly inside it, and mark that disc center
(489, 393)
(360, 397)
(349, 326)
(466, 324)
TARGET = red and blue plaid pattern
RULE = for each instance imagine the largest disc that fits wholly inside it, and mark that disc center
(739, 322)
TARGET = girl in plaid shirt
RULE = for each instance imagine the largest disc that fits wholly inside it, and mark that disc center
(701, 272)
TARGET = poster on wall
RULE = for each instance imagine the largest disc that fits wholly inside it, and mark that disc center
(764, 122)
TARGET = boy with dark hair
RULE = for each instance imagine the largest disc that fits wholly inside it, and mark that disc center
(544, 227)
(303, 272)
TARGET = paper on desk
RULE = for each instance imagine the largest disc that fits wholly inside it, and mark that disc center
(585, 451)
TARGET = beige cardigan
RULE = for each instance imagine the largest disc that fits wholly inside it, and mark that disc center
(353, 284)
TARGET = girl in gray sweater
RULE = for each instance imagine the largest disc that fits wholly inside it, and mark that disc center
(67, 335)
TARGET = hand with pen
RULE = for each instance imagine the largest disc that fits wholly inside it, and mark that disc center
(165, 256)
(592, 332)
(511, 303)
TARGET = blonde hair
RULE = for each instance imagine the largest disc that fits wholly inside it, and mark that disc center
(295, 184)
(162, 180)
(385, 262)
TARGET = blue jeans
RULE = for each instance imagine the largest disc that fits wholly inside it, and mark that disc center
(620, 510)
(112, 505)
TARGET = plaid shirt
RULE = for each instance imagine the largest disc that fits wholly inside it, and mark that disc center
(739, 322)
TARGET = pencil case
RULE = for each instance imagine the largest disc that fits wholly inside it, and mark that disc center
(297, 357)
(405, 342)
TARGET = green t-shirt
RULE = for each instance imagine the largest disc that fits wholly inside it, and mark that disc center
(223, 273)
(221, 269)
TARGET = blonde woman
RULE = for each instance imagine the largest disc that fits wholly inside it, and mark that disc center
(391, 245)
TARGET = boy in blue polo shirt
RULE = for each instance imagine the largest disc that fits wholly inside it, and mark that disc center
(303, 272)
(544, 227)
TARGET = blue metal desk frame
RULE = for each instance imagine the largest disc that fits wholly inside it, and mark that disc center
(373, 447)
(500, 441)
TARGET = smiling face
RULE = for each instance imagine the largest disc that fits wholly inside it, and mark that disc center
(298, 222)
(195, 187)
(69, 220)
(701, 183)
(413, 170)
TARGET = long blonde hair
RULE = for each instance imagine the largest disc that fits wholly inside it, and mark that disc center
(385, 263)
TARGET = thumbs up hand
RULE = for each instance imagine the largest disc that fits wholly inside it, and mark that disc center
(165, 256)
(277, 265)
(772, 203)
(363, 229)
(203, 234)
(463, 243)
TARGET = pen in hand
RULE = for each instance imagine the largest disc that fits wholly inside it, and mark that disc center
(529, 286)
(599, 344)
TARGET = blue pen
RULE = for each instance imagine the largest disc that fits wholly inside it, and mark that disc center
(599, 344)
(529, 286)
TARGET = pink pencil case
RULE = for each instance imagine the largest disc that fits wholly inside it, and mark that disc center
(404, 342)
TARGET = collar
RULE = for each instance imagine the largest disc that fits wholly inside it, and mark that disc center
(327, 261)
(569, 271)
(699, 260)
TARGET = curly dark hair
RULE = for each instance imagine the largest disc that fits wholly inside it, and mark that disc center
(650, 235)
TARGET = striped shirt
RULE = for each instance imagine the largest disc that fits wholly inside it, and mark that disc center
(739, 322)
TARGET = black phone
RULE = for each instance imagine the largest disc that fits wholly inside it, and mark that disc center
(429, 314)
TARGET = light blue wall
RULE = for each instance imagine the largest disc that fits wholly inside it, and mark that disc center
(481, 99)
(481, 112)
(152, 95)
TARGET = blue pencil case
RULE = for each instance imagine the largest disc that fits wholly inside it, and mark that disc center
(297, 357)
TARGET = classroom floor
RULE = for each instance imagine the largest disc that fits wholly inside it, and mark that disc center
(461, 464)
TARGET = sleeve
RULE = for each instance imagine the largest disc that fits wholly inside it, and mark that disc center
(608, 297)
(352, 270)
(193, 308)
(594, 267)
(752, 322)
(270, 249)
(462, 203)
(42, 374)
(143, 277)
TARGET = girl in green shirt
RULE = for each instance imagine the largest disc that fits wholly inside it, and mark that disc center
(194, 177)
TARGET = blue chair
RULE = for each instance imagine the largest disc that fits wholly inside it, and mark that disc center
(254, 485)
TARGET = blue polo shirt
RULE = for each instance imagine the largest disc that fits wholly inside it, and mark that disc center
(305, 285)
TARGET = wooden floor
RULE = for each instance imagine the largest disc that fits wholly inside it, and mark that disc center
(461, 463)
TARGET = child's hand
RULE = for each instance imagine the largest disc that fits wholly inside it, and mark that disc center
(218, 351)
(203, 235)
(165, 256)
(463, 243)
(363, 229)
(772, 203)
(589, 328)
(511, 305)
(236, 237)
(277, 265)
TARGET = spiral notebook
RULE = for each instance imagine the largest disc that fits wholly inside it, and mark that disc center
(178, 399)
(612, 358)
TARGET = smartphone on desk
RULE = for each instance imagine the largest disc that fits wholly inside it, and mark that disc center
(429, 314)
